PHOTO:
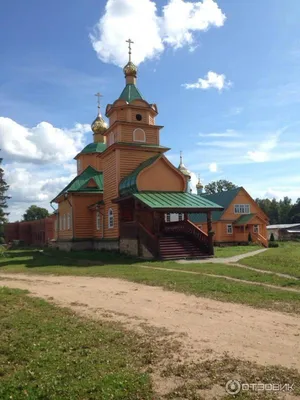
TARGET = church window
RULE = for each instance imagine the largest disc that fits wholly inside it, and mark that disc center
(139, 135)
(69, 221)
(138, 117)
(110, 218)
(98, 221)
(78, 166)
(64, 222)
(168, 217)
(180, 217)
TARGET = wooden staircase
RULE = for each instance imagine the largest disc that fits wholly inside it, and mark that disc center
(179, 247)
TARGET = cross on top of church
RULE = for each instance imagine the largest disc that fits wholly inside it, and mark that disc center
(130, 42)
(99, 95)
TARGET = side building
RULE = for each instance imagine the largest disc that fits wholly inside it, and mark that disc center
(240, 216)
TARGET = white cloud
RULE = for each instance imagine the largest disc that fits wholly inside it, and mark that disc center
(182, 19)
(212, 80)
(139, 19)
(213, 167)
(43, 143)
(227, 133)
(263, 152)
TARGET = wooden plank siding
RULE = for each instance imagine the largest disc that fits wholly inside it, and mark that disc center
(83, 216)
(111, 186)
(152, 134)
(130, 159)
(64, 209)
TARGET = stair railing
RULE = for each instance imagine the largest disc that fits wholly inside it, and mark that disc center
(187, 228)
(149, 240)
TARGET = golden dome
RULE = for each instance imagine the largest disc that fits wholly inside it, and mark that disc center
(199, 184)
(99, 125)
(130, 69)
(182, 168)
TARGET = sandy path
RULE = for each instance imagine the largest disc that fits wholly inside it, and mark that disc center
(206, 326)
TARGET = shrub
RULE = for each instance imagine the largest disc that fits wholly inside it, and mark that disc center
(273, 244)
(272, 239)
(249, 237)
(2, 240)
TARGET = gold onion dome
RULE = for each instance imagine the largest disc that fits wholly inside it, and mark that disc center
(99, 125)
(130, 69)
(199, 185)
(182, 168)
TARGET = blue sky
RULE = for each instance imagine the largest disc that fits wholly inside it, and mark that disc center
(237, 119)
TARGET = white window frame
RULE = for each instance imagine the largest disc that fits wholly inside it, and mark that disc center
(69, 221)
(168, 217)
(229, 229)
(134, 135)
(98, 221)
(256, 228)
(110, 218)
(180, 217)
(242, 209)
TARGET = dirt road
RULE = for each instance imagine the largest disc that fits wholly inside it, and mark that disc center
(206, 327)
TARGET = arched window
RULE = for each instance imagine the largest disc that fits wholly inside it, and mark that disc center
(98, 221)
(110, 218)
(78, 166)
(139, 135)
(65, 222)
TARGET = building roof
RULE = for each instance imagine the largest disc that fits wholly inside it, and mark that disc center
(94, 148)
(130, 93)
(128, 184)
(224, 199)
(282, 226)
(80, 182)
(170, 201)
(243, 219)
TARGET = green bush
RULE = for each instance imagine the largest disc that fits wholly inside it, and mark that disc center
(2, 240)
(249, 238)
(272, 239)
(273, 244)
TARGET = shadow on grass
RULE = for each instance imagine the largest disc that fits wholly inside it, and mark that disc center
(49, 258)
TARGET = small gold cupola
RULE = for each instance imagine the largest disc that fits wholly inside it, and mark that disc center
(99, 126)
(130, 69)
(199, 186)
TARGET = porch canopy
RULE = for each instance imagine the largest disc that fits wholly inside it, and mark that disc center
(175, 202)
(248, 219)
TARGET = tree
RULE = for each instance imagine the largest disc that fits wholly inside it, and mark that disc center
(219, 186)
(3, 197)
(34, 213)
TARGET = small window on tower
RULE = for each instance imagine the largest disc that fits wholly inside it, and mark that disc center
(138, 117)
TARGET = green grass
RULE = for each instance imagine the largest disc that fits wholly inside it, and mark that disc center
(284, 259)
(199, 285)
(230, 271)
(48, 353)
(231, 251)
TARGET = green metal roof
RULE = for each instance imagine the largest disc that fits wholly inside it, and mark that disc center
(130, 93)
(143, 145)
(80, 182)
(94, 148)
(243, 219)
(128, 184)
(222, 198)
(175, 200)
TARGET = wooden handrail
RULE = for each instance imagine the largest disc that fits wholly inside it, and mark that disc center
(149, 240)
(187, 228)
(261, 239)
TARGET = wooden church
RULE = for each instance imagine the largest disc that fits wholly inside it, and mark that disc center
(125, 186)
